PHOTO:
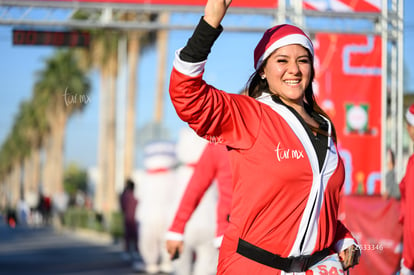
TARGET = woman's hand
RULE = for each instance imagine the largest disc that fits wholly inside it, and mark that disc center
(215, 11)
(173, 247)
(350, 257)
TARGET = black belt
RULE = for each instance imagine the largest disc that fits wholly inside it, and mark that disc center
(290, 264)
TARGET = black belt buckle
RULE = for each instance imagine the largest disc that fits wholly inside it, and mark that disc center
(299, 263)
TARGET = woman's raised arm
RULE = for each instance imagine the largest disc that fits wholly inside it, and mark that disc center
(215, 11)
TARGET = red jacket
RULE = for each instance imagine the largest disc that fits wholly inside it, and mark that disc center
(280, 201)
(407, 214)
(213, 165)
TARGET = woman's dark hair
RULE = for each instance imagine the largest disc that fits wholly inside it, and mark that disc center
(256, 86)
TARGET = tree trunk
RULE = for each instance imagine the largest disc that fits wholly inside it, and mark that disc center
(162, 36)
(133, 54)
(8, 184)
(16, 183)
(59, 150)
(53, 176)
(111, 203)
(3, 192)
(32, 189)
(36, 164)
(27, 175)
(46, 178)
(102, 141)
(105, 199)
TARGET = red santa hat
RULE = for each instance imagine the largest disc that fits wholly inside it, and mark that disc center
(279, 36)
(409, 115)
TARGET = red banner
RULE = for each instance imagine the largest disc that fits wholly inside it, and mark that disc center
(343, 5)
(348, 87)
(373, 221)
(235, 3)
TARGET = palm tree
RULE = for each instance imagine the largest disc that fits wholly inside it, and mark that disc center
(36, 128)
(8, 153)
(103, 55)
(40, 123)
(45, 115)
(96, 57)
(13, 152)
(29, 127)
(138, 41)
(65, 86)
(106, 45)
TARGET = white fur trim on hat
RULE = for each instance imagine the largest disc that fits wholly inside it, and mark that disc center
(284, 41)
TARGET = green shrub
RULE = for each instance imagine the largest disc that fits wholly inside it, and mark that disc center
(76, 217)
(117, 225)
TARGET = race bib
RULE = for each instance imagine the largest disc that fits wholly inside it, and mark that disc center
(330, 265)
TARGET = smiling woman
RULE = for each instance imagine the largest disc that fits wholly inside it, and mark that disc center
(290, 223)
(288, 71)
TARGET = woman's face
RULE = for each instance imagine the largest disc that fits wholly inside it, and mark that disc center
(288, 72)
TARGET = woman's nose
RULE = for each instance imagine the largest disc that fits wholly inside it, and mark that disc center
(293, 68)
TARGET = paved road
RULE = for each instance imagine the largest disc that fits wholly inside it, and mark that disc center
(44, 251)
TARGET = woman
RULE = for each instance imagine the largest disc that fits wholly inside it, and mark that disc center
(407, 203)
(287, 174)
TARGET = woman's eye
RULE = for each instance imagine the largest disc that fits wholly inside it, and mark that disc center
(281, 61)
(305, 60)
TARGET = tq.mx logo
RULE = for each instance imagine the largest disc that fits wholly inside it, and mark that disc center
(75, 98)
(286, 153)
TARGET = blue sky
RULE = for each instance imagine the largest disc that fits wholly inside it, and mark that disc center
(20, 63)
